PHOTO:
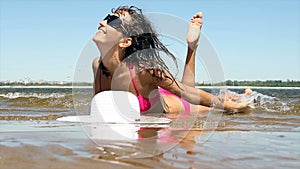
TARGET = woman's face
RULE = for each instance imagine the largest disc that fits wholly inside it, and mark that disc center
(110, 30)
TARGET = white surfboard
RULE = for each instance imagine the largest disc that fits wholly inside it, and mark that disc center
(115, 115)
(115, 107)
(90, 119)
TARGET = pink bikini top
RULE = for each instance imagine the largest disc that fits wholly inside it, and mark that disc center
(145, 103)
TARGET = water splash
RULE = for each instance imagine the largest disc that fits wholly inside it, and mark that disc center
(259, 100)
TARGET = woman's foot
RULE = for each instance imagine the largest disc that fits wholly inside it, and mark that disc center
(248, 91)
(234, 107)
(194, 30)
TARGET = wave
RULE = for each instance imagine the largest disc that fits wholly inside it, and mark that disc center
(266, 100)
(15, 95)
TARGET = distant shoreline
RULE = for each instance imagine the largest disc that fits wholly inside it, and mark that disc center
(201, 87)
(244, 87)
(50, 86)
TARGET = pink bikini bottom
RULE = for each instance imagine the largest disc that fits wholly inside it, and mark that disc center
(184, 102)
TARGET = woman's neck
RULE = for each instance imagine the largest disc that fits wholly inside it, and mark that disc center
(110, 63)
(111, 59)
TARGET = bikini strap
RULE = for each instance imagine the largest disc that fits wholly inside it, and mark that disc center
(132, 80)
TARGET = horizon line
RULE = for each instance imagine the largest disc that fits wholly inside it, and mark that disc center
(202, 81)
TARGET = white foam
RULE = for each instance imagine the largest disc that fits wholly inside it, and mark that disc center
(15, 95)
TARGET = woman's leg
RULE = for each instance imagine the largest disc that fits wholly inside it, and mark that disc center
(171, 103)
(193, 36)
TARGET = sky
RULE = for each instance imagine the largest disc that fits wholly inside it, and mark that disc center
(253, 40)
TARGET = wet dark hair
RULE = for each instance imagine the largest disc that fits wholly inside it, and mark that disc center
(146, 49)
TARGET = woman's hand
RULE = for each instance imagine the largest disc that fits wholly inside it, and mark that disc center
(194, 29)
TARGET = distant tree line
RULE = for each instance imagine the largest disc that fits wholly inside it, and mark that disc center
(45, 84)
(267, 83)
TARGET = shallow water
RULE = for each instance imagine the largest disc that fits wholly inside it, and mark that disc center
(30, 137)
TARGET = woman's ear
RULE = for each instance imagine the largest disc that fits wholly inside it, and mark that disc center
(124, 43)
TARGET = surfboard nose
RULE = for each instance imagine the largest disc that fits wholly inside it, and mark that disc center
(115, 107)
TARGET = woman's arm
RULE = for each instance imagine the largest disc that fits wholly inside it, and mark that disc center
(194, 95)
(96, 73)
(190, 94)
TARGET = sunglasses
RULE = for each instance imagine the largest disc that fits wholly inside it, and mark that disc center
(115, 22)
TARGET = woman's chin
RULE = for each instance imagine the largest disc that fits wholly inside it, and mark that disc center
(96, 39)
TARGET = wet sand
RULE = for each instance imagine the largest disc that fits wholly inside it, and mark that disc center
(52, 144)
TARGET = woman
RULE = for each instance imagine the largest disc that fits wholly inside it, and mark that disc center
(131, 61)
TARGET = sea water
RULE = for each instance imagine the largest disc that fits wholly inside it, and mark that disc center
(267, 137)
